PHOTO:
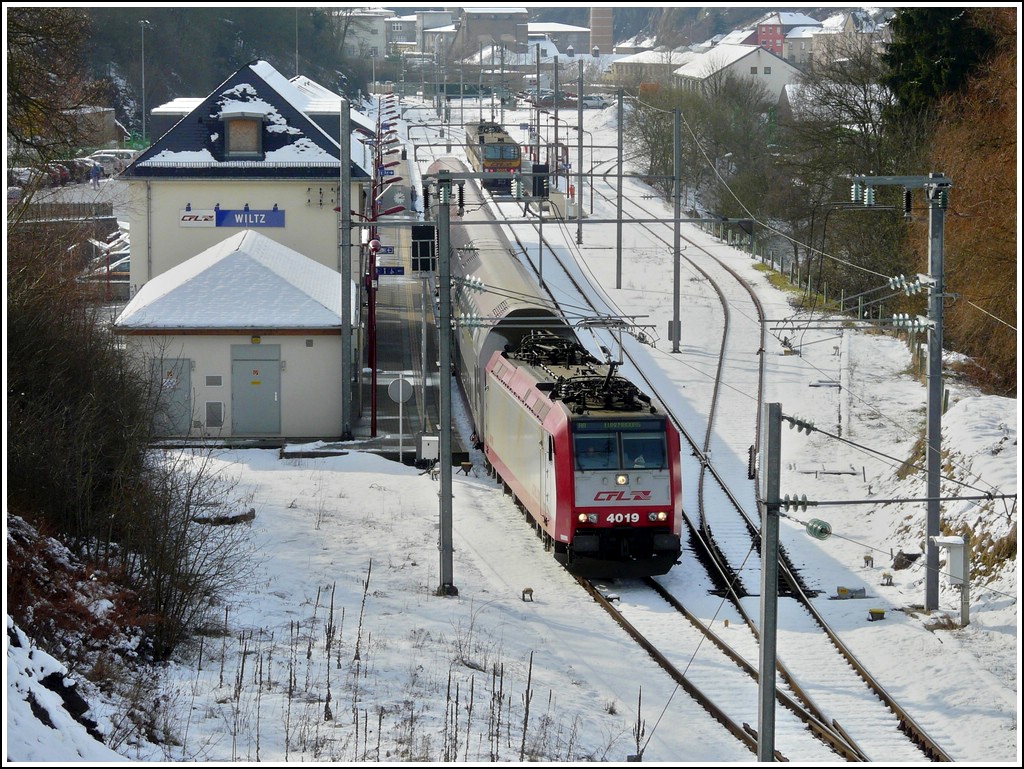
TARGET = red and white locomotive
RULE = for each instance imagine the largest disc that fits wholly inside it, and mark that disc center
(592, 460)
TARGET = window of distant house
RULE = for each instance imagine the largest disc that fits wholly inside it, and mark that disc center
(767, 70)
(244, 136)
(753, 70)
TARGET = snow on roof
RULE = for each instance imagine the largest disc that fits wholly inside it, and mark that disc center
(547, 27)
(480, 9)
(246, 281)
(298, 139)
(788, 19)
(736, 37)
(180, 106)
(718, 58)
(798, 33)
(674, 58)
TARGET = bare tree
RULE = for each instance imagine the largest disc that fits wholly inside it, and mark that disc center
(46, 82)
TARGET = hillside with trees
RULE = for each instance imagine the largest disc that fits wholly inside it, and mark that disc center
(942, 99)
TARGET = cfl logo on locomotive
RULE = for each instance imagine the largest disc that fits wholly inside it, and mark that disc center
(622, 496)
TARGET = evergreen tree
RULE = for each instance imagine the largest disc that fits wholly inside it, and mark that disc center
(932, 53)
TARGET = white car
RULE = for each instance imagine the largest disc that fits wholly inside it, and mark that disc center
(110, 164)
(595, 101)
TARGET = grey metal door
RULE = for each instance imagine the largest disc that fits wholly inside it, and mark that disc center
(172, 378)
(255, 389)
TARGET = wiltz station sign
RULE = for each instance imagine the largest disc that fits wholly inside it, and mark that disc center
(226, 217)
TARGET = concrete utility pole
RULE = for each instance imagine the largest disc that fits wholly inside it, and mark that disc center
(770, 451)
(579, 157)
(677, 150)
(620, 120)
(444, 195)
(936, 187)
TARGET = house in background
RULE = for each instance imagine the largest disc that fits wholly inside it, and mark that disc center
(243, 340)
(742, 61)
(847, 36)
(773, 28)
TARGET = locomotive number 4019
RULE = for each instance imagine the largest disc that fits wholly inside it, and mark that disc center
(623, 518)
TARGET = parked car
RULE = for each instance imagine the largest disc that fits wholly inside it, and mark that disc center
(549, 101)
(79, 169)
(26, 177)
(119, 269)
(110, 282)
(110, 164)
(59, 174)
(595, 101)
(126, 156)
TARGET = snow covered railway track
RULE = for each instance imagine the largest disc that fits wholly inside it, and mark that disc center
(736, 531)
(722, 682)
(731, 533)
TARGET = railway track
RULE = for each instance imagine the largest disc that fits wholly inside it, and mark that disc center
(726, 537)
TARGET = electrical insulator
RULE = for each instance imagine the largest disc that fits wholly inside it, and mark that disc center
(907, 203)
(800, 425)
(869, 196)
(462, 199)
(795, 502)
(426, 198)
(943, 199)
(898, 282)
(855, 192)
(818, 529)
(751, 462)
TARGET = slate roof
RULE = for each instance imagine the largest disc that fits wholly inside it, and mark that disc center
(294, 146)
(247, 281)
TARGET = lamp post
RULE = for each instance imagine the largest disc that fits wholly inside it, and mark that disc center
(143, 23)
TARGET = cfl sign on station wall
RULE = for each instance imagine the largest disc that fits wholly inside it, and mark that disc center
(226, 217)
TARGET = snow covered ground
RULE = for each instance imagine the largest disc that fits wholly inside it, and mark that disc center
(340, 650)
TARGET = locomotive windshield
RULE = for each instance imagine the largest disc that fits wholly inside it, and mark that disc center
(643, 450)
(501, 152)
(614, 451)
(597, 452)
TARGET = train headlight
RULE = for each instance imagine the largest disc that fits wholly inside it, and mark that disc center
(588, 517)
(622, 480)
(657, 517)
